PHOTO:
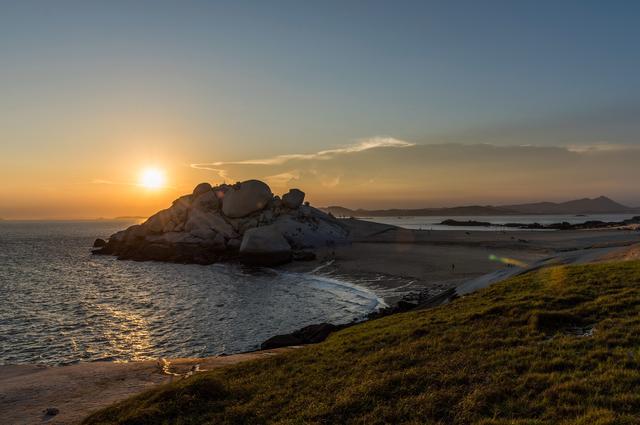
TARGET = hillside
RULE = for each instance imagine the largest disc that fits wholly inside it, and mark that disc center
(600, 205)
(557, 345)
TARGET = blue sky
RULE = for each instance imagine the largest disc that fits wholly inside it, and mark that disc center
(208, 81)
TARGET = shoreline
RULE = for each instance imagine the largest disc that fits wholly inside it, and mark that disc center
(392, 263)
(26, 391)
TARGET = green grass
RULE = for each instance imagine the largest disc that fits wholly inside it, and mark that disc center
(505, 355)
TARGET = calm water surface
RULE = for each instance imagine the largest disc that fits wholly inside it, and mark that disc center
(431, 222)
(60, 304)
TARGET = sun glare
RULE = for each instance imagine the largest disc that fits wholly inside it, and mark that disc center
(152, 178)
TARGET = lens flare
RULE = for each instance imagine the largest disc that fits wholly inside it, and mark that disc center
(508, 261)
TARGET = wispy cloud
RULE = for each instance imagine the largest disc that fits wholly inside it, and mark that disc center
(601, 147)
(283, 178)
(362, 145)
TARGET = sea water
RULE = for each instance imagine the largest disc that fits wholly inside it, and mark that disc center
(433, 222)
(60, 304)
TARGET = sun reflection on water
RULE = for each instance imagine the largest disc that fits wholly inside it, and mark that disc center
(127, 334)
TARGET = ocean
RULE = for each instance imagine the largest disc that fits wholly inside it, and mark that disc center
(432, 222)
(61, 305)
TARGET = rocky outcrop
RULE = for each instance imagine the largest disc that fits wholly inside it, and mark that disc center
(243, 222)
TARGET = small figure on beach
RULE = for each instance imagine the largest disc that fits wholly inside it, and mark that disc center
(453, 268)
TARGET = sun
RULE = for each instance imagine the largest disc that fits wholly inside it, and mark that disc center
(152, 178)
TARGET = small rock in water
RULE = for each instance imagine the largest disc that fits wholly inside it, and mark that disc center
(51, 411)
(99, 243)
(304, 255)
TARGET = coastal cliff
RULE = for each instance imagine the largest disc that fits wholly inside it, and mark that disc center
(244, 221)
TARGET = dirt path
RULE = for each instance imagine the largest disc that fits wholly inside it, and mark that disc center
(77, 390)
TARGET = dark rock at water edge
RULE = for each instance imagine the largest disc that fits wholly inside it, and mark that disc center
(311, 334)
(314, 334)
(304, 256)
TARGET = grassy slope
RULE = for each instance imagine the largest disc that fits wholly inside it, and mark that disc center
(500, 356)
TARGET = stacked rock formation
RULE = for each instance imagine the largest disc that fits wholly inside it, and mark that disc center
(243, 221)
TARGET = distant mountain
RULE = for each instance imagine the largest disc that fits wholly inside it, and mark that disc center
(600, 205)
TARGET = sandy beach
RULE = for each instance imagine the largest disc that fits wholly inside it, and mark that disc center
(394, 261)
(389, 260)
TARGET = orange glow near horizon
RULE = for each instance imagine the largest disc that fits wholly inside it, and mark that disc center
(152, 178)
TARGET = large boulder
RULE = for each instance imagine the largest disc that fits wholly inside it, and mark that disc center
(293, 199)
(264, 246)
(248, 197)
(201, 188)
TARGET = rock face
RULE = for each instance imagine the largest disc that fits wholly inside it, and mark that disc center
(293, 199)
(241, 222)
(265, 246)
(246, 198)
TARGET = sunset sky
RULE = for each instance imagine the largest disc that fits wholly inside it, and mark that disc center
(361, 104)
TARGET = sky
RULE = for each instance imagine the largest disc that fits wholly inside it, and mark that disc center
(358, 103)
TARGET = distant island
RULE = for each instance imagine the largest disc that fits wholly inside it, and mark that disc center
(130, 217)
(599, 205)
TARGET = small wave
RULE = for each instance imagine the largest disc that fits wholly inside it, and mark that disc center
(327, 283)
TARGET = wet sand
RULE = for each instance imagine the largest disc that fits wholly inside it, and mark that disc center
(394, 261)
